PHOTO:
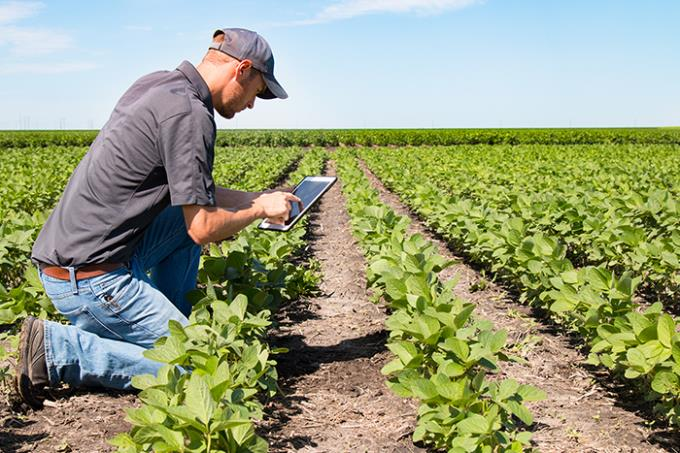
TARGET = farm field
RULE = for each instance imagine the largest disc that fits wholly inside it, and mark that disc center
(457, 290)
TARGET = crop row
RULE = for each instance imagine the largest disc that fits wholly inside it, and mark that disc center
(615, 206)
(212, 407)
(369, 137)
(640, 343)
(444, 355)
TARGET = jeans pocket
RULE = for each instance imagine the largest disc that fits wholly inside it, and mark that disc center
(111, 293)
(80, 311)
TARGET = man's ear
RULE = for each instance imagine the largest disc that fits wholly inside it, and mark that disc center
(243, 68)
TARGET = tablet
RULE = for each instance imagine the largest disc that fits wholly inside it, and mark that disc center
(309, 191)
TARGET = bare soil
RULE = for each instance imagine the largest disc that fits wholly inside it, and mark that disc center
(76, 422)
(334, 397)
(583, 411)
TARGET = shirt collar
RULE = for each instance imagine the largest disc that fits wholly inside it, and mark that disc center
(197, 82)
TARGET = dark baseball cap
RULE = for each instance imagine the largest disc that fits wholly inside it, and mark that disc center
(244, 44)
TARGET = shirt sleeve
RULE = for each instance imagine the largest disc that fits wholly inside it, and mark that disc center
(187, 147)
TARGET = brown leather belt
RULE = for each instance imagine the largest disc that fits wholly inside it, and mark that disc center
(92, 270)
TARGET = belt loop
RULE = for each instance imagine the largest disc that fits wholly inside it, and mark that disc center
(72, 279)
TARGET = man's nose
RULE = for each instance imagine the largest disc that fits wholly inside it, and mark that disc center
(251, 104)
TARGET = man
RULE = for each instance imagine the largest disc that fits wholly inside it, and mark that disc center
(121, 249)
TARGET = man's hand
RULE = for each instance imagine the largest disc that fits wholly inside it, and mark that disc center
(276, 206)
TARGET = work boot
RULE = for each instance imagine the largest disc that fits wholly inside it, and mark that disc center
(31, 369)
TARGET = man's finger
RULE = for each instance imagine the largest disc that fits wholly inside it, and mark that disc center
(301, 205)
(290, 196)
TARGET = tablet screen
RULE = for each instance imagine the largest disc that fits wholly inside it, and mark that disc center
(309, 191)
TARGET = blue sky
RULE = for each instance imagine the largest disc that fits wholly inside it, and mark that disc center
(358, 63)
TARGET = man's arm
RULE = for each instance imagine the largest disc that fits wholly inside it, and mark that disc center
(207, 224)
(234, 199)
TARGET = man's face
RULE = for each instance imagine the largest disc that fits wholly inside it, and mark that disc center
(240, 92)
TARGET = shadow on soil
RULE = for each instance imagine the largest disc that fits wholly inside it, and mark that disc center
(13, 443)
(301, 360)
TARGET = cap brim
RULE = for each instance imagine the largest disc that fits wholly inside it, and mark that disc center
(274, 89)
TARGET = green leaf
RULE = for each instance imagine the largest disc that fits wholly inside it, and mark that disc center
(176, 330)
(473, 424)
(459, 347)
(405, 350)
(198, 399)
(524, 437)
(451, 390)
(570, 277)
(172, 351)
(665, 382)
(124, 443)
(154, 397)
(521, 412)
(562, 305)
(464, 315)
(636, 359)
(221, 425)
(424, 389)
(507, 388)
(174, 439)
(392, 367)
(638, 322)
(429, 328)
(665, 330)
(239, 306)
(497, 340)
(531, 393)
(395, 288)
(419, 286)
(243, 433)
(143, 381)
(145, 415)
(452, 369)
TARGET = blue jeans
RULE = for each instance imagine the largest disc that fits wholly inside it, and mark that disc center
(115, 317)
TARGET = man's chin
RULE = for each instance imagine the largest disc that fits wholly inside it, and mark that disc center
(228, 115)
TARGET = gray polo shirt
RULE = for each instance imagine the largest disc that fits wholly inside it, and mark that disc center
(156, 149)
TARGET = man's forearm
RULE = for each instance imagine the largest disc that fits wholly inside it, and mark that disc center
(206, 225)
(233, 200)
(215, 223)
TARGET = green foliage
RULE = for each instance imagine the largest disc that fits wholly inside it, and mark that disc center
(419, 137)
(203, 400)
(33, 179)
(370, 137)
(610, 206)
(574, 212)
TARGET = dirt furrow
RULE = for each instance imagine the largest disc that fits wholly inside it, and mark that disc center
(579, 414)
(334, 397)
